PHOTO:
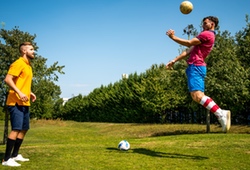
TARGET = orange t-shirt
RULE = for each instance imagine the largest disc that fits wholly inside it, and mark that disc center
(22, 72)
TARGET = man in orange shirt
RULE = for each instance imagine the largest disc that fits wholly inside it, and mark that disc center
(19, 78)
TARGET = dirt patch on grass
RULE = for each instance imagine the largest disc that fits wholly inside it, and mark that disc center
(43, 122)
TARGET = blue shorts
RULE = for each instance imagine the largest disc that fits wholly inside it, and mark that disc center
(19, 117)
(196, 77)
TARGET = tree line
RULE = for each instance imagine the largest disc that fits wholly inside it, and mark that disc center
(154, 96)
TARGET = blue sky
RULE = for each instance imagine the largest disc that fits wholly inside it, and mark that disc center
(99, 40)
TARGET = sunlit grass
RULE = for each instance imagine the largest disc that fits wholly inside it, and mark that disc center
(67, 145)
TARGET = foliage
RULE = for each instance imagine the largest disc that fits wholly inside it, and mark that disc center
(227, 79)
(44, 87)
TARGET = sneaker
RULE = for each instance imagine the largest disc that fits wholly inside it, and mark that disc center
(10, 162)
(225, 120)
(19, 157)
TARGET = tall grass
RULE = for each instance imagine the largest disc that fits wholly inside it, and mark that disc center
(67, 145)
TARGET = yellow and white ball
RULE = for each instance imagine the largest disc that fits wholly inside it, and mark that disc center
(186, 7)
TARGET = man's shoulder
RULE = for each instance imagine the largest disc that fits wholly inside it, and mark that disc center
(207, 32)
(18, 60)
(206, 36)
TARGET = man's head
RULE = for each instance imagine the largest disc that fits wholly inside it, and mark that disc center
(210, 23)
(27, 49)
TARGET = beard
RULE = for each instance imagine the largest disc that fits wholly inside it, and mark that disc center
(206, 28)
(30, 56)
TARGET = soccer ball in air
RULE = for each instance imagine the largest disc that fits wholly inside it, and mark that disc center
(186, 7)
(124, 145)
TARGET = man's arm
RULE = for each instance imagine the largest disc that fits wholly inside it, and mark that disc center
(184, 54)
(9, 79)
(187, 43)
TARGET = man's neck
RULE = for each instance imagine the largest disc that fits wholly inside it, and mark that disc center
(26, 58)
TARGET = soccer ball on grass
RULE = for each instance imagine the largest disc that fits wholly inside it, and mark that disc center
(124, 145)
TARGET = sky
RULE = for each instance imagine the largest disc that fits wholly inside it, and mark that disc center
(99, 40)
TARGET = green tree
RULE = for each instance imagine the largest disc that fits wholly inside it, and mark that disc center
(243, 53)
(227, 79)
(44, 87)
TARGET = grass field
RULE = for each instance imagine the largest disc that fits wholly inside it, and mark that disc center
(67, 145)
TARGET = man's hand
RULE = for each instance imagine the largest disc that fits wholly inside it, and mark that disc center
(33, 97)
(170, 33)
(170, 65)
(23, 97)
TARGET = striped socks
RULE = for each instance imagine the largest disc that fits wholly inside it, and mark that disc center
(209, 104)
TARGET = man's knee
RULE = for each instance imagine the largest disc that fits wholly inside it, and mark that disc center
(197, 96)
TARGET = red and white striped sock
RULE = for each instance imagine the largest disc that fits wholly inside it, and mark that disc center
(208, 103)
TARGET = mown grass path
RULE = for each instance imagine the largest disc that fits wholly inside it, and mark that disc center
(67, 145)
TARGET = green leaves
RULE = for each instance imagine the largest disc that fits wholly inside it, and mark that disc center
(228, 72)
(139, 98)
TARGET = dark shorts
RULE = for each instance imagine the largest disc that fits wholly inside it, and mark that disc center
(196, 77)
(19, 117)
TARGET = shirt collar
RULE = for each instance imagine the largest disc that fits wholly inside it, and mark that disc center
(25, 60)
(212, 31)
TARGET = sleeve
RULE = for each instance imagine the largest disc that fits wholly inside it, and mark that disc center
(202, 37)
(15, 69)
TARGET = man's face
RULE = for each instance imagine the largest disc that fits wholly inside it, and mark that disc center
(207, 25)
(29, 51)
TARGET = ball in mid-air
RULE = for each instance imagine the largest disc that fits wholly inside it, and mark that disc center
(124, 145)
(186, 7)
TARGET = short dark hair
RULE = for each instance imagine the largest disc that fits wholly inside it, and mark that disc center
(215, 20)
(24, 44)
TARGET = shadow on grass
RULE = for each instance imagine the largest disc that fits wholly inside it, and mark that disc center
(167, 155)
(180, 132)
(162, 154)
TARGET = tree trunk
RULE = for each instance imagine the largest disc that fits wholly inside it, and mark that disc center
(208, 121)
(6, 125)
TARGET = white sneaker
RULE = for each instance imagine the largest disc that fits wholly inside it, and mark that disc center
(10, 162)
(225, 120)
(19, 157)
